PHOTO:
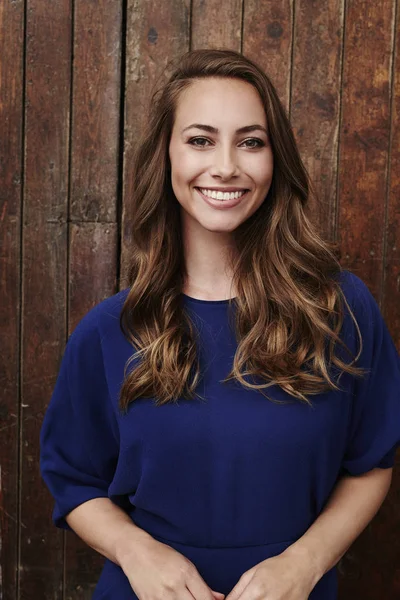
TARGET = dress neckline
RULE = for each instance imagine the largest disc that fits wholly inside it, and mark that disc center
(201, 301)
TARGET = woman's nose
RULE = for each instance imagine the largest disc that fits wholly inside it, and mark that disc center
(225, 164)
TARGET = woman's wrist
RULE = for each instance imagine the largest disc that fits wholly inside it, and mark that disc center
(130, 544)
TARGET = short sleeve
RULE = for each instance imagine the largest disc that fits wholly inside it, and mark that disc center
(374, 431)
(79, 440)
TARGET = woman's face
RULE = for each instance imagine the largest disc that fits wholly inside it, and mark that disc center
(220, 158)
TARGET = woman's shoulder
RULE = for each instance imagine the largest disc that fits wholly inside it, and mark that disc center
(364, 307)
(355, 290)
(351, 283)
(100, 318)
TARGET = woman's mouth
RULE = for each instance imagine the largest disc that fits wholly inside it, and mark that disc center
(221, 203)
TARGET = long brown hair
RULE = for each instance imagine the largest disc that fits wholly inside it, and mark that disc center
(289, 301)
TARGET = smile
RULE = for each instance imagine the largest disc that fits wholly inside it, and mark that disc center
(233, 199)
(217, 195)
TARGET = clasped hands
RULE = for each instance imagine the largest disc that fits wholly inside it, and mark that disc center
(158, 571)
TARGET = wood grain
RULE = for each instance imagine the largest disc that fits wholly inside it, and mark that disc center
(267, 39)
(216, 24)
(315, 99)
(93, 236)
(48, 66)
(364, 135)
(391, 285)
(95, 114)
(11, 127)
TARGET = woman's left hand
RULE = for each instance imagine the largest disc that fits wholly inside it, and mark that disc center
(277, 578)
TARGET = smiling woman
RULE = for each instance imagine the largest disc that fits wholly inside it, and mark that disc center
(161, 447)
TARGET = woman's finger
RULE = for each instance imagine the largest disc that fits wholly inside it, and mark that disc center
(186, 594)
(240, 586)
(198, 587)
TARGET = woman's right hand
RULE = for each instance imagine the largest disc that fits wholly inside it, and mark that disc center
(158, 572)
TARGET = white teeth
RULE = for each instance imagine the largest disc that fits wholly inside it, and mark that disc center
(221, 195)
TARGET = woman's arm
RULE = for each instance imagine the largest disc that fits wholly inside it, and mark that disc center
(106, 528)
(354, 501)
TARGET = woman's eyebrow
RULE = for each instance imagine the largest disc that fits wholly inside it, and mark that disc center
(211, 129)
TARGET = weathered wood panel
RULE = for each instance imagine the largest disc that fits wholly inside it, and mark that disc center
(48, 66)
(156, 34)
(364, 149)
(11, 120)
(364, 138)
(267, 39)
(216, 24)
(93, 204)
(93, 260)
(315, 98)
(95, 113)
(391, 286)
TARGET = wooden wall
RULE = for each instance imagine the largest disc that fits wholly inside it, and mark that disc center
(75, 76)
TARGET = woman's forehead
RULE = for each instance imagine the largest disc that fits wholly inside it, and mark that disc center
(216, 102)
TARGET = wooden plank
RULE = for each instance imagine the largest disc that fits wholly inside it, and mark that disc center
(369, 567)
(216, 24)
(391, 289)
(48, 67)
(267, 39)
(93, 260)
(315, 99)
(157, 33)
(95, 112)
(93, 207)
(364, 138)
(11, 118)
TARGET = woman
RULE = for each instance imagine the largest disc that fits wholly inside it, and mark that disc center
(160, 445)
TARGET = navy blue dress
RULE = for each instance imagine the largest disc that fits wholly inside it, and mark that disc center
(227, 482)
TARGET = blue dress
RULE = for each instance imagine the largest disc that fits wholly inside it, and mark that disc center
(227, 482)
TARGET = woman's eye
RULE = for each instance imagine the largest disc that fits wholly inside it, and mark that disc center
(258, 143)
(191, 141)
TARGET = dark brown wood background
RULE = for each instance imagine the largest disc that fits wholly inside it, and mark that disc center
(75, 76)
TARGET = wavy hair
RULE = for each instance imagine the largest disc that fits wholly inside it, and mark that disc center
(289, 304)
